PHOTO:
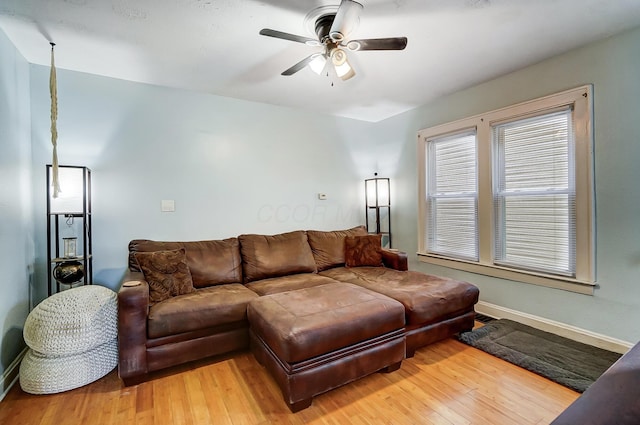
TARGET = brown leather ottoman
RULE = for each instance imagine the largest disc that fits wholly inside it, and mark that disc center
(316, 339)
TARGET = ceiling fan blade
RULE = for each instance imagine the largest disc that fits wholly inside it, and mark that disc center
(300, 65)
(291, 37)
(396, 43)
(347, 17)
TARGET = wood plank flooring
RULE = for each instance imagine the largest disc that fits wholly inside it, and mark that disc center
(445, 383)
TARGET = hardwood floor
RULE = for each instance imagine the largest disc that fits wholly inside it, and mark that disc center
(445, 383)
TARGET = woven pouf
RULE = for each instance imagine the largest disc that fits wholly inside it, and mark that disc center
(73, 321)
(72, 339)
(42, 374)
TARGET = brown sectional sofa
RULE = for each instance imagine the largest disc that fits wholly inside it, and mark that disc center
(228, 274)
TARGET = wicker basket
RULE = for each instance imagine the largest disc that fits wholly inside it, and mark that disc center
(43, 374)
(73, 321)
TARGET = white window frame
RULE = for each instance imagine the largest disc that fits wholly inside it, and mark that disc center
(580, 100)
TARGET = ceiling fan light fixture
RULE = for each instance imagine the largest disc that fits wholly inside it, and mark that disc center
(344, 71)
(336, 36)
(353, 45)
(341, 64)
(317, 64)
(338, 57)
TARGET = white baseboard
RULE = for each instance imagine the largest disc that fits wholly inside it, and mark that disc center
(11, 374)
(562, 329)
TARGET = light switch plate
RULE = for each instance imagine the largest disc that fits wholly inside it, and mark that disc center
(322, 196)
(168, 205)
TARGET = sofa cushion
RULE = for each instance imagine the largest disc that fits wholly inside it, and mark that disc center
(278, 255)
(328, 247)
(291, 282)
(166, 272)
(203, 308)
(211, 262)
(362, 251)
(426, 298)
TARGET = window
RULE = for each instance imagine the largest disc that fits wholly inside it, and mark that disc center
(534, 193)
(509, 193)
(452, 191)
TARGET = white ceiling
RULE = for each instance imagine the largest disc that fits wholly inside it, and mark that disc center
(213, 45)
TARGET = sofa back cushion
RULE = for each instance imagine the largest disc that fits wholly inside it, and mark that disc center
(328, 247)
(211, 262)
(278, 255)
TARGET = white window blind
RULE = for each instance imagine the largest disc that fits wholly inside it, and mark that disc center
(452, 196)
(534, 193)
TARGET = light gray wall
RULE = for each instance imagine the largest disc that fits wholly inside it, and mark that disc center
(231, 166)
(16, 227)
(613, 67)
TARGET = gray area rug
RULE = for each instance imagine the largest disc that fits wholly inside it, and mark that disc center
(567, 362)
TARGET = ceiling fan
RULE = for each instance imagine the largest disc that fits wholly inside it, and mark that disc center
(332, 29)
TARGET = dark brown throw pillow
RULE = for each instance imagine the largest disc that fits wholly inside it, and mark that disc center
(362, 251)
(167, 273)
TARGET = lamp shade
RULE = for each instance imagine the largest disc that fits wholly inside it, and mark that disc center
(70, 200)
(370, 192)
(377, 192)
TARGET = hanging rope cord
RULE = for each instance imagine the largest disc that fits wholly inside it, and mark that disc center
(54, 130)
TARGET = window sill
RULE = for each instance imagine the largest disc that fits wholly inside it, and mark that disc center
(567, 284)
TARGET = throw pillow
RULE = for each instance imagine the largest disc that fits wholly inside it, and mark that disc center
(362, 251)
(166, 272)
